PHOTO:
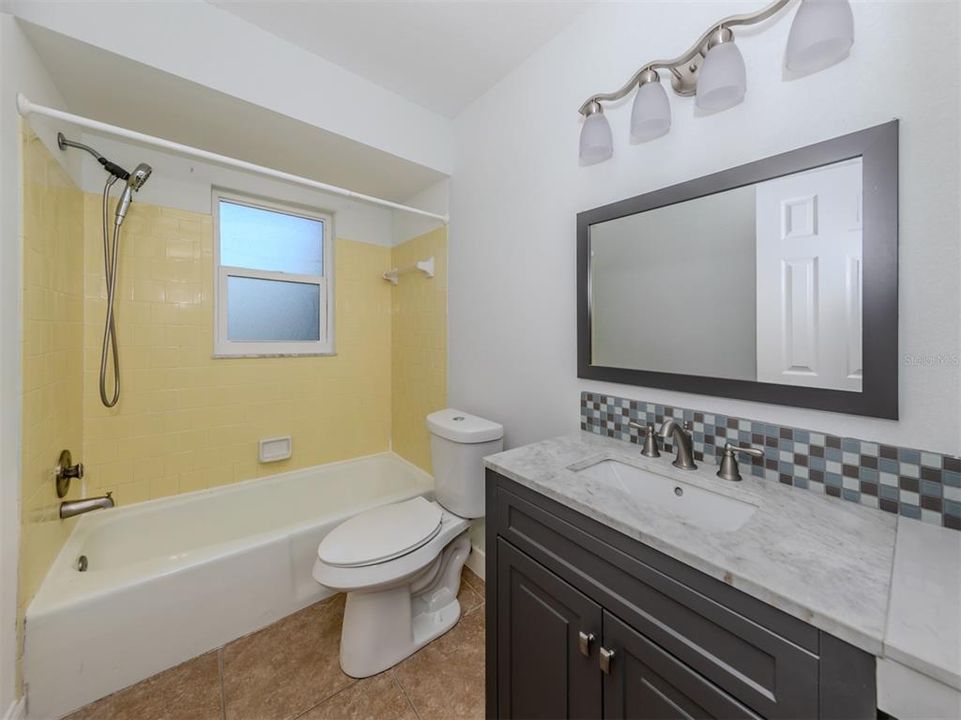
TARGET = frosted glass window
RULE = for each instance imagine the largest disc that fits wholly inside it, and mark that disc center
(254, 237)
(272, 310)
(273, 275)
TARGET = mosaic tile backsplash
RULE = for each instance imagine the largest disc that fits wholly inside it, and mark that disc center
(914, 483)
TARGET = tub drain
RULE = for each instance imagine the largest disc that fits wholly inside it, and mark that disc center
(82, 563)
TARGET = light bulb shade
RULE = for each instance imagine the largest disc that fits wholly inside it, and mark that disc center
(722, 81)
(821, 35)
(597, 140)
(651, 115)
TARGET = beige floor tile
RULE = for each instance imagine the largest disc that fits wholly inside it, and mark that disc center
(291, 669)
(477, 585)
(287, 668)
(445, 680)
(190, 691)
(376, 698)
(469, 598)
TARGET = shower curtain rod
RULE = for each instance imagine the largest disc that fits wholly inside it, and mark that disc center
(26, 107)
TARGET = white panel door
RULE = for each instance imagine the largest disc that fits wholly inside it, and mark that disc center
(809, 278)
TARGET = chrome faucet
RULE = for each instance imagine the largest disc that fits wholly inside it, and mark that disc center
(70, 508)
(684, 459)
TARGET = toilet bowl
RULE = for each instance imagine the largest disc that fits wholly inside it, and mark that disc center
(401, 564)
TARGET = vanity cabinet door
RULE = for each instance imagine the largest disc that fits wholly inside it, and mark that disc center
(644, 682)
(544, 667)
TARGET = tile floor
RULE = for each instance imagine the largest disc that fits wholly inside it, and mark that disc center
(290, 670)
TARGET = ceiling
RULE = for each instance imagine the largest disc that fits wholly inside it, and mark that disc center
(116, 90)
(441, 55)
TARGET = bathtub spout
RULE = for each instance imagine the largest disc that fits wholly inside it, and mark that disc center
(70, 508)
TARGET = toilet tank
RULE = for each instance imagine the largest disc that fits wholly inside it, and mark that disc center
(458, 444)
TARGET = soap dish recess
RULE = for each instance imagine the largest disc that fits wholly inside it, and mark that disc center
(275, 449)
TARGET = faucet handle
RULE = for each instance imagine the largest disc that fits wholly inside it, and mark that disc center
(65, 471)
(752, 451)
(729, 469)
(650, 439)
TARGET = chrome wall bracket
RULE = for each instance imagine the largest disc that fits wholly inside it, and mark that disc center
(684, 77)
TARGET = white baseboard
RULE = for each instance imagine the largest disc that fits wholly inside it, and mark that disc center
(17, 710)
(476, 561)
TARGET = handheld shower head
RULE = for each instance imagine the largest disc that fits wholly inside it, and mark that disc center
(139, 176)
(136, 181)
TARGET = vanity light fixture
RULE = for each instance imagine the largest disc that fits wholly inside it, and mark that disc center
(713, 70)
(597, 140)
(651, 114)
(723, 77)
(821, 35)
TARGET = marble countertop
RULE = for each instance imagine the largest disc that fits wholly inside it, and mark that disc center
(924, 614)
(826, 562)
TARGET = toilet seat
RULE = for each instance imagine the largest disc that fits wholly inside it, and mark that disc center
(381, 534)
(386, 573)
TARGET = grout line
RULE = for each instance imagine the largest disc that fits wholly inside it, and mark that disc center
(403, 690)
(474, 581)
(353, 681)
(223, 695)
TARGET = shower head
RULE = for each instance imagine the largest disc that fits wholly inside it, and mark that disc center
(135, 181)
(139, 176)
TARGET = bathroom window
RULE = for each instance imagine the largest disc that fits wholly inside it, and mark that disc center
(274, 270)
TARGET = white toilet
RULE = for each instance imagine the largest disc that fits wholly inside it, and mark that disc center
(400, 564)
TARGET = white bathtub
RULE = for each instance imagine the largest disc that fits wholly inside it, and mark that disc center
(170, 579)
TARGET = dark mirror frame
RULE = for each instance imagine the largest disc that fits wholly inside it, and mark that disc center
(878, 149)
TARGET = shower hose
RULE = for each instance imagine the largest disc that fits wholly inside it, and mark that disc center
(109, 346)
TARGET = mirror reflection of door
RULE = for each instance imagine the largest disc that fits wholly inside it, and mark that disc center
(809, 278)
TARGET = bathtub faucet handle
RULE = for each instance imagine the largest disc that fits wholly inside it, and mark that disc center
(65, 471)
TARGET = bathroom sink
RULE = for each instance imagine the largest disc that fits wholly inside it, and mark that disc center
(690, 503)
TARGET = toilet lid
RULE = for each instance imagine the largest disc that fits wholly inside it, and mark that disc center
(381, 534)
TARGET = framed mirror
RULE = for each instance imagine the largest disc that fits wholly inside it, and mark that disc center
(775, 281)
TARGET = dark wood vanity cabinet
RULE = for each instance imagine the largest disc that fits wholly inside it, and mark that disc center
(585, 622)
(553, 670)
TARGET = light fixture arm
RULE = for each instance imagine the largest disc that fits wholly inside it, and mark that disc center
(684, 68)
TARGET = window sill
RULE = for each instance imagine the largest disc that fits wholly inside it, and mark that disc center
(249, 356)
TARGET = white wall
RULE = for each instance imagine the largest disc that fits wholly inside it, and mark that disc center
(517, 186)
(197, 41)
(185, 183)
(20, 70)
(434, 199)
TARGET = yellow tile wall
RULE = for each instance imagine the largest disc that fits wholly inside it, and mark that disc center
(187, 421)
(419, 345)
(52, 343)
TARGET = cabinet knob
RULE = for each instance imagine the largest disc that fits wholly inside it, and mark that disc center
(606, 657)
(584, 642)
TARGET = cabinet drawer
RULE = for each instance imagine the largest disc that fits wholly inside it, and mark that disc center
(647, 683)
(762, 657)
